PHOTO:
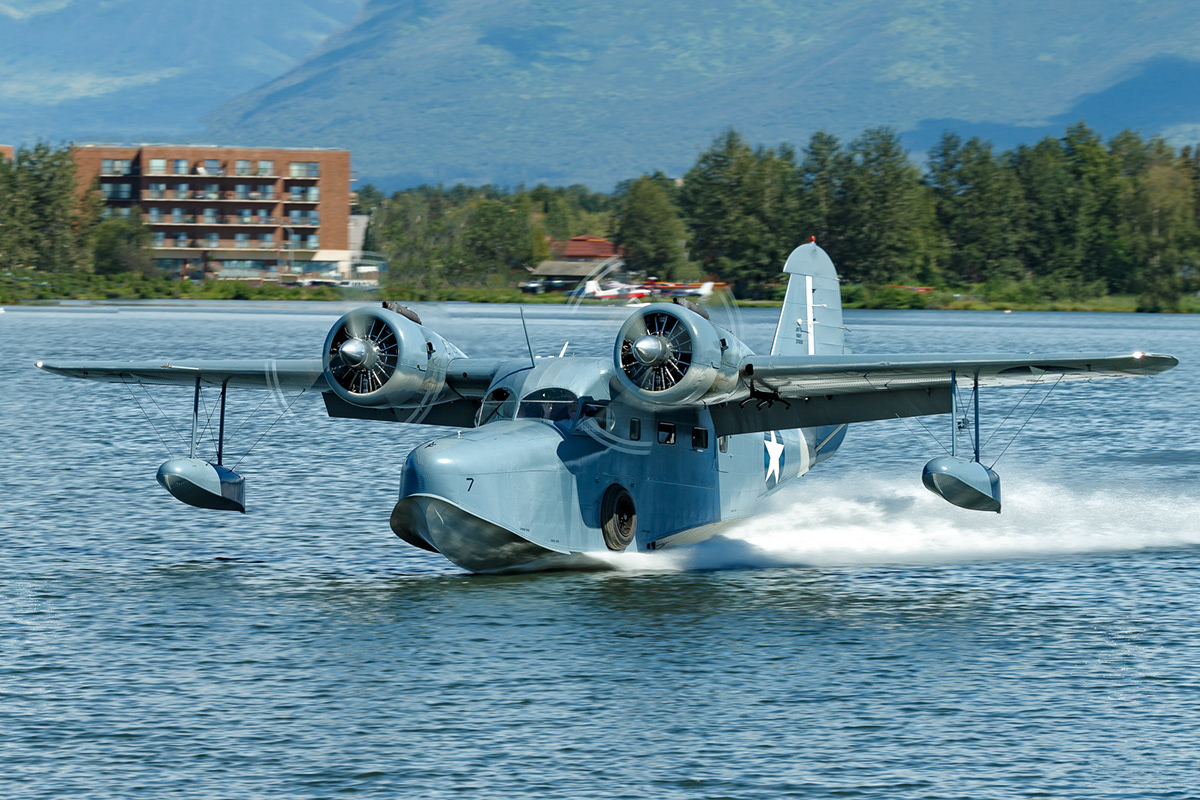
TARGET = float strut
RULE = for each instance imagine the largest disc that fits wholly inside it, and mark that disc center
(221, 429)
(195, 416)
(954, 413)
(976, 397)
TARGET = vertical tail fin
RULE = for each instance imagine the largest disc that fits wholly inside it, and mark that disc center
(810, 322)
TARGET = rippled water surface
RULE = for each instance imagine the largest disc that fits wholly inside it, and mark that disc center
(858, 638)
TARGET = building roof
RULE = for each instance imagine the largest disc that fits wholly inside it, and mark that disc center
(565, 269)
(584, 247)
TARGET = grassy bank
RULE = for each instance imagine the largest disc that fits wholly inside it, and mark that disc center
(17, 288)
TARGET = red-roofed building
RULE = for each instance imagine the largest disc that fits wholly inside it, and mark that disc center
(584, 248)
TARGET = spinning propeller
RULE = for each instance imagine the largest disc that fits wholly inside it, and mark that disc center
(363, 353)
(656, 354)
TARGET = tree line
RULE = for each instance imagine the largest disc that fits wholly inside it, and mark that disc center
(1068, 217)
(1071, 216)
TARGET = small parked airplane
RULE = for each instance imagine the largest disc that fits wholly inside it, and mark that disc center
(559, 461)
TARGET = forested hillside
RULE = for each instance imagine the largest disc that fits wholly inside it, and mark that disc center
(562, 91)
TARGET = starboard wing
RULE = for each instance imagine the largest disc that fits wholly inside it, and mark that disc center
(782, 391)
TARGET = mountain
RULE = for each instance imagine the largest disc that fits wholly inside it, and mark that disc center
(561, 90)
(144, 69)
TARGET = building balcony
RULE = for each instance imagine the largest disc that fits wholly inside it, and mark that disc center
(223, 197)
(198, 219)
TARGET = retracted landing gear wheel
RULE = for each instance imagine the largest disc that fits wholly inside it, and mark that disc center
(618, 518)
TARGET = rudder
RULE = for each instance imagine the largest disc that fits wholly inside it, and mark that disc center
(810, 322)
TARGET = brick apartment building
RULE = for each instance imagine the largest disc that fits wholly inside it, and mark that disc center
(6, 151)
(235, 212)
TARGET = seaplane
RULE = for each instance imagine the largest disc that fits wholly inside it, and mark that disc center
(558, 463)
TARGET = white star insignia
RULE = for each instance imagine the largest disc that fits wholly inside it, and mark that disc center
(774, 452)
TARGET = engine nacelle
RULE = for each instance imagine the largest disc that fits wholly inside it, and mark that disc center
(376, 357)
(667, 354)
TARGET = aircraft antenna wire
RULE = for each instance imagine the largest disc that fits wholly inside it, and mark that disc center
(1027, 420)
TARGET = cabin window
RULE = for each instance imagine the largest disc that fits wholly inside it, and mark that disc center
(666, 433)
(700, 438)
(723, 444)
(552, 404)
(635, 429)
(499, 404)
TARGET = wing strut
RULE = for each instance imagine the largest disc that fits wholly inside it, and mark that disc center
(964, 482)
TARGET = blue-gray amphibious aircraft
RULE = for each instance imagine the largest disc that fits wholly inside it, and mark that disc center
(558, 461)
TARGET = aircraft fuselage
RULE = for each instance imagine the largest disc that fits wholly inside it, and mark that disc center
(533, 484)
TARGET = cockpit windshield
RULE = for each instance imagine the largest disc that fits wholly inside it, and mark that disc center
(550, 404)
(499, 404)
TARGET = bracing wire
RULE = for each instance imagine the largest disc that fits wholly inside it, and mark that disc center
(936, 440)
(1026, 422)
(1012, 411)
(268, 430)
(167, 418)
(148, 418)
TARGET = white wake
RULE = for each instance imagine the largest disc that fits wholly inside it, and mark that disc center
(844, 522)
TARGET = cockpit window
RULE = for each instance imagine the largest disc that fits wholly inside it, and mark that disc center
(499, 404)
(550, 404)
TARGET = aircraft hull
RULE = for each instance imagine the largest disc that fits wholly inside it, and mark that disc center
(474, 543)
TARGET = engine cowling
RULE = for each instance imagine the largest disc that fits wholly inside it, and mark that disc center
(667, 354)
(376, 357)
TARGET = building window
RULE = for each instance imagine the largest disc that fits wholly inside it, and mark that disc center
(244, 167)
(266, 168)
(176, 215)
(314, 194)
(210, 216)
(242, 239)
(116, 191)
(212, 191)
(181, 239)
(158, 191)
(155, 214)
(123, 212)
(666, 433)
(158, 239)
(243, 191)
(305, 169)
(115, 166)
(266, 241)
(314, 241)
(700, 438)
(158, 166)
(267, 191)
(181, 191)
(212, 240)
(180, 167)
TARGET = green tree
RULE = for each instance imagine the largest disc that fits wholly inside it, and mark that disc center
(741, 208)
(979, 210)
(122, 244)
(649, 228)
(886, 216)
(47, 222)
(820, 178)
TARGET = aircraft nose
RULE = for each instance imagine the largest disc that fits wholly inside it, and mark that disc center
(649, 349)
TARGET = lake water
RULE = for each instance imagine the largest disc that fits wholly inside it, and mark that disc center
(858, 638)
